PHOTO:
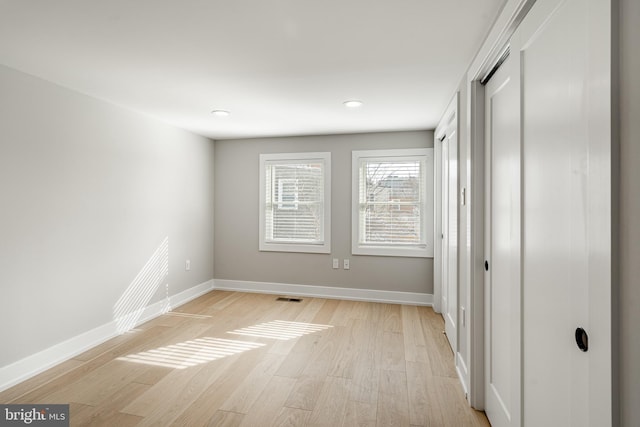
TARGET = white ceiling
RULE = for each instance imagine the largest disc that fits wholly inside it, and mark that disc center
(281, 67)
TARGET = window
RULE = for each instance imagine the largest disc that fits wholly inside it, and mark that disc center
(392, 202)
(295, 202)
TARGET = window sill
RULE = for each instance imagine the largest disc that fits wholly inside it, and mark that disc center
(392, 251)
(289, 247)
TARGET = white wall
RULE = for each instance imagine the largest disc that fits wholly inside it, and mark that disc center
(237, 255)
(88, 193)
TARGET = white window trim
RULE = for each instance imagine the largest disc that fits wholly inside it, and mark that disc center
(325, 246)
(398, 250)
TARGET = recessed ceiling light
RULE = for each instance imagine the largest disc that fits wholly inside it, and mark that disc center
(352, 103)
(220, 113)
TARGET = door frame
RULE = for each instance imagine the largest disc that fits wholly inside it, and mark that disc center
(439, 135)
(437, 225)
(488, 56)
(449, 124)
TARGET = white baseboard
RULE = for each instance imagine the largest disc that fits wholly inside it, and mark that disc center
(393, 297)
(24, 369)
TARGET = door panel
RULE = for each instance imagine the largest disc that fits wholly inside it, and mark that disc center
(566, 214)
(450, 236)
(502, 249)
(445, 218)
(451, 318)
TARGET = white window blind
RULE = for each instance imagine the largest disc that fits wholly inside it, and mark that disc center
(295, 202)
(392, 206)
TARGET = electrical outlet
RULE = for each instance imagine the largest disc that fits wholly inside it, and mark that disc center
(345, 264)
(187, 265)
(336, 263)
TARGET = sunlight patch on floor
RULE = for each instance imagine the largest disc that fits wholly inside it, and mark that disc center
(187, 315)
(280, 330)
(191, 353)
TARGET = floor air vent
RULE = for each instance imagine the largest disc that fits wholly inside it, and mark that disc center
(287, 299)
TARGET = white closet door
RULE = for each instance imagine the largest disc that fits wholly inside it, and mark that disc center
(502, 249)
(450, 235)
(564, 52)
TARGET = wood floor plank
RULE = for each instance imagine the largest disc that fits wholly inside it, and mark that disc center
(79, 411)
(104, 375)
(415, 347)
(110, 413)
(225, 419)
(294, 365)
(306, 315)
(308, 386)
(353, 341)
(454, 406)
(440, 360)
(322, 358)
(305, 393)
(246, 393)
(440, 354)
(265, 410)
(222, 383)
(375, 312)
(109, 345)
(360, 310)
(392, 352)
(331, 407)
(363, 364)
(115, 419)
(152, 374)
(98, 386)
(207, 302)
(172, 320)
(365, 383)
(298, 357)
(124, 343)
(360, 414)
(327, 311)
(16, 392)
(392, 318)
(423, 407)
(291, 417)
(342, 314)
(250, 307)
(168, 398)
(366, 377)
(393, 400)
(227, 299)
(285, 310)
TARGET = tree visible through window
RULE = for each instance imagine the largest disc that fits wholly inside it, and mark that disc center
(392, 208)
(392, 211)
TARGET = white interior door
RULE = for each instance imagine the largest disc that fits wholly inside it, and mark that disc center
(444, 215)
(564, 50)
(502, 249)
(450, 232)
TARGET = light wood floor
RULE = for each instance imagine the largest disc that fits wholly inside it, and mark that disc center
(237, 359)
